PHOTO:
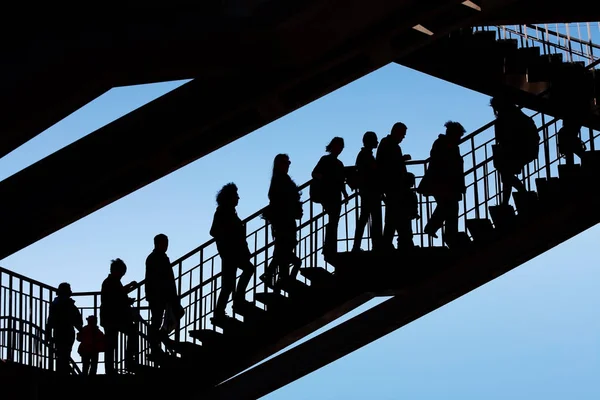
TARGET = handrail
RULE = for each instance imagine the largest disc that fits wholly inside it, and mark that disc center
(39, 338)
(27, 279)
(557, 34)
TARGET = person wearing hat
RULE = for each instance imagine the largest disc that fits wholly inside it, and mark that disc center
(63, 318)
(92, 343)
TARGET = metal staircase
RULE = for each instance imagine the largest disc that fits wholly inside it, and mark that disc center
(538, 67)
(223, 360)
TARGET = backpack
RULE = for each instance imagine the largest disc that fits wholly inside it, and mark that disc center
(531, 139)
(316, 191)
(353, 178)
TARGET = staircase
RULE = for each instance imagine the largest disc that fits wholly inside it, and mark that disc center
(222, 359)
(560, 205)
(539, 68)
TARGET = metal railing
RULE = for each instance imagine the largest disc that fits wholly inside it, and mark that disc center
(575, 41)
(25, 302)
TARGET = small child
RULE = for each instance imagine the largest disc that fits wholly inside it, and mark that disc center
(92, 343)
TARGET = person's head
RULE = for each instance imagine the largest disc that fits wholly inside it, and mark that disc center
(228, 196)
(91, 320)
(398, 132)
(64, 290)
(336, 146)
(281, 164)
(454, 131)
(118, 268)
(161, 242)
(572, 124)
(370, 140)
(500, 104)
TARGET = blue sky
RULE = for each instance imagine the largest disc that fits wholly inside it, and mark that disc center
(534, 333)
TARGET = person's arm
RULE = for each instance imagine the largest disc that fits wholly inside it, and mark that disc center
(317, 173)
(50, 322)
(78, 318)
(131, 286)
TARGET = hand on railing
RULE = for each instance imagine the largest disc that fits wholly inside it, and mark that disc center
(130, 286)
(407, 157)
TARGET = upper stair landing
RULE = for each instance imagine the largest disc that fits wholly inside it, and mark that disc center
(539, 68)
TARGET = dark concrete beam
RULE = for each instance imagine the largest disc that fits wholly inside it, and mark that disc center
(337, 43)
(51, 70)
(543, 12)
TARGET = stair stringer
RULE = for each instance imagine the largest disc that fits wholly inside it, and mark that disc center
(466, 274)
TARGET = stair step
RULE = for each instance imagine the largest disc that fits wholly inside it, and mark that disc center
(206, 336)
(526, 203)
(543, 68)
(503, 216)
(250, 311)
(481, 229)
(590, 162)
(188, 349)
(570, 174)
(317, 276)
(293, 286)
(273, 300)
(228, 324)
(507, 46)
(549, 190)
(485, 36)
(461, 241)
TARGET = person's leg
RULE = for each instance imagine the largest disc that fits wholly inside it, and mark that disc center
(227, 286)
(240, 292)
(93, 364)
(111, 340)
(451, 210)
(85, 365)
(333, 211)
(376, 221)
(361, 223)
(63, 355)
(157, 311)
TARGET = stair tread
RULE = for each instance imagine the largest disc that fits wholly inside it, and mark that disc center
(316, 273)
(205, 335)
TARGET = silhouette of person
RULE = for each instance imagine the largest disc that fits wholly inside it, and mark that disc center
(161, 291)
(116, 315)
(63, 318)
(230, 235)
(369, 191)
(569, 143)
(396, 183)
(445, 181)
(517, 144)
(282, 212)
(332, 177)
(92, 343)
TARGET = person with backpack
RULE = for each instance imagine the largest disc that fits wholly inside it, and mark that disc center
(63, 318)
(367, 184)
(330, 178)
(517, 144)
(285, 207)
(569, 141)
(92, 344)
(444, 180)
